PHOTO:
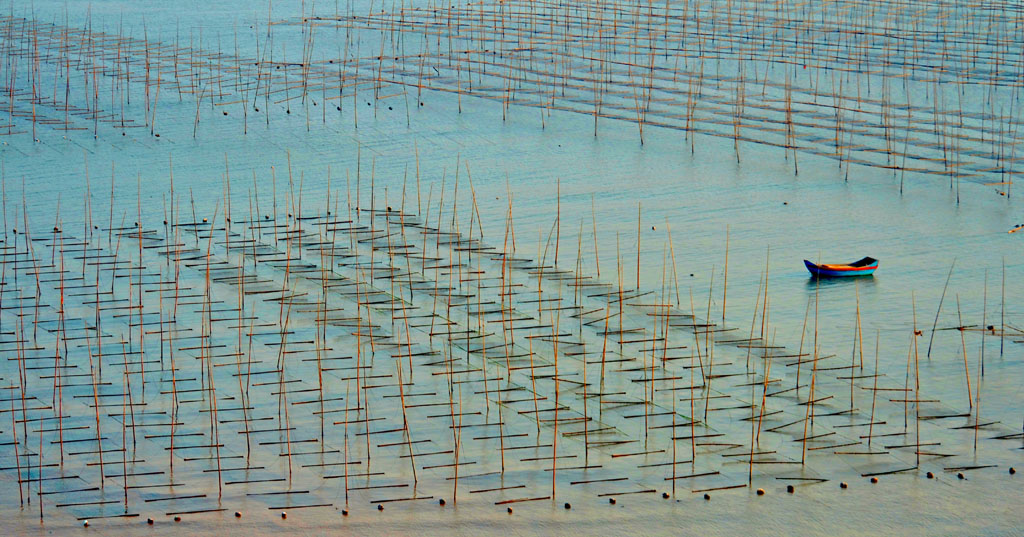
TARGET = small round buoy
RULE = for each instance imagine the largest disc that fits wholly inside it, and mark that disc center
(790, 489)
(1013, 470)
(149, 521)
(389, 108)
(611, 501)
(177, 519)
(760, 492)
(874, 480)
(338, 107)
(568, 505)
(380, 507)
(785, 203)
(284, 514)
(441, 502)
(653, 228)
(843, 485)
(509, 509)
(204, 220)
(960, 475)
(664, 495)
(225, 113)
(238, 514)
(389, 208)
(165, 222)
(707, 496)
(930, 475)
(85, 523)
(344, 512)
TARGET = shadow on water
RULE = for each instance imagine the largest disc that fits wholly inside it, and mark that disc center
(833, 283)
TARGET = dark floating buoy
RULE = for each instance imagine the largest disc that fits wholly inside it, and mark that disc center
(843, 485)
(238, 514)
(344, 512)
(611, 501)
(85, 523)
(149, 521)
(785, 203)
(1013, 470)
(177, 519)
(930, 475)
(509, 509)
(165, 222)
(960, 475)
(874, 480)
(380, 507)
(760, 492)
(389, 208)
(441, 502)
(707, 496)
(389, 108)
(790, 489)
(284, 514)
(204, 220)
(664, 495)
(225, 113)
(568, 505)
(653, 228)
(338, 107)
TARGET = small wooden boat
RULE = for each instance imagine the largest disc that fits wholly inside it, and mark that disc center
(863, 267)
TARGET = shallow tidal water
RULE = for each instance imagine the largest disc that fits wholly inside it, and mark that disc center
(567, 186)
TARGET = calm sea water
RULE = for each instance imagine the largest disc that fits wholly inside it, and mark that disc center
(773, 218)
